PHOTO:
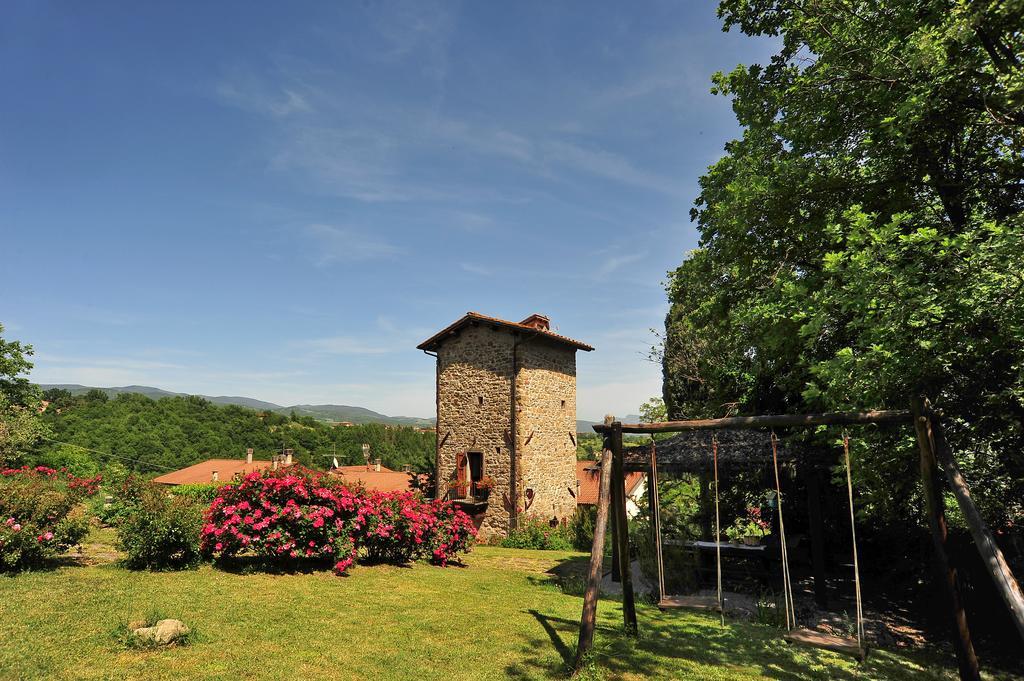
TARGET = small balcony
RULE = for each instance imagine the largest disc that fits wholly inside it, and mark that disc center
(470, 496)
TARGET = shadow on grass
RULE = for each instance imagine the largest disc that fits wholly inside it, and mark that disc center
(249, 565)
(687, 645)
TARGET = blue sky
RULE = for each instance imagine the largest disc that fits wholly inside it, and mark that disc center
(280, 200)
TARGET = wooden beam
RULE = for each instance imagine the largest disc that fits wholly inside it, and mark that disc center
(993, 558)
(967, 661)
(622, 531)
(588, 621)
(768, 421)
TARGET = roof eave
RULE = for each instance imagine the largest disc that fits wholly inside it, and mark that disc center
(434, 341)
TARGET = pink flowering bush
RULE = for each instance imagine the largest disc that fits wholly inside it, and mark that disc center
(284, 516)
(397, 527)
(452, 532)
(40, 514)
(296, 514)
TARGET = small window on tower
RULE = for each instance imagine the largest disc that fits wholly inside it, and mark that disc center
(480, 400)
(563, 404)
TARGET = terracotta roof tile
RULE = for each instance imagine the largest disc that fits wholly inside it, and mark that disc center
(203, 471)
(384, 480)
(589, 475)
(471, 317)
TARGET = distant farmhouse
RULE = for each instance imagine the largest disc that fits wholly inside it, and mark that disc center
(506, 412)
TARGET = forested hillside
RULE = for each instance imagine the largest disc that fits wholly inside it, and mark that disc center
(157, 435)
(321, 412)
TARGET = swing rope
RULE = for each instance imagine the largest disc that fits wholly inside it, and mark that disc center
(853, 532)
(718, 533)
(787, 585)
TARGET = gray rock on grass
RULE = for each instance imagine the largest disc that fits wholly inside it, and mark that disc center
(163, 632)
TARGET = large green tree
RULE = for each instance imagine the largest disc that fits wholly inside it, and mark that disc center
(20, 426)
(862, 241)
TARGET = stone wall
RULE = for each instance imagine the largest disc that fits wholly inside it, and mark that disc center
(546, 424)
(474, 391)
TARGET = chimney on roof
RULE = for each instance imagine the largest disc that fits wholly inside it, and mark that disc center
(287, 457)
(376, 465)
(213, 476)
(248, 456)
(537, 321)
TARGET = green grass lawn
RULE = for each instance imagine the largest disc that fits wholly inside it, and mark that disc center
(498, 616)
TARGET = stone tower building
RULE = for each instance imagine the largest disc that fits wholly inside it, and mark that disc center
(506, 410)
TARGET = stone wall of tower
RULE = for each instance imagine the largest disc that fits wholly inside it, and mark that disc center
(546, 426)
(474, 401)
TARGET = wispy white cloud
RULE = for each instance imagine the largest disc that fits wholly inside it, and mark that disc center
(476, 269)
(340, 345)
(609, 166)
(410, 29)
(345, 244)
(615, 262)
(251, 95)
(472, 222)
(98, 315)
(127, 363)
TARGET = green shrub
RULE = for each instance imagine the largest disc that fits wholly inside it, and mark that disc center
(159, 532)
(535, 533)
(581, 528)
(126, 495)
(200, 493)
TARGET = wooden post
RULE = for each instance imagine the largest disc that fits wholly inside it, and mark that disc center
(616, 573)
(655, 510)
(967, 661)
(622, 530)
(817, 528)
(993, 558)
(588, 621)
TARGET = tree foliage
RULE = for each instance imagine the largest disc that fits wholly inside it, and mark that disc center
(861, 242)
(153, 436)
(20, 426)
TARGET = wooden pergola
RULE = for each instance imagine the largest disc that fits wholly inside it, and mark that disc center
(935, 458)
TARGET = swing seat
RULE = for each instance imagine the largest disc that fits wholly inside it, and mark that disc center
(689, 603)
(844, 645)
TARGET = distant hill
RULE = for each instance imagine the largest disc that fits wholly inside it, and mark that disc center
(341, 412)
(588, 426)
(321, 412)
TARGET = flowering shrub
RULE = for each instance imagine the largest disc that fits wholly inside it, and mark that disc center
(295, 513)
(392, 526)
(451, 532)
(284, 515)
(39, 514)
